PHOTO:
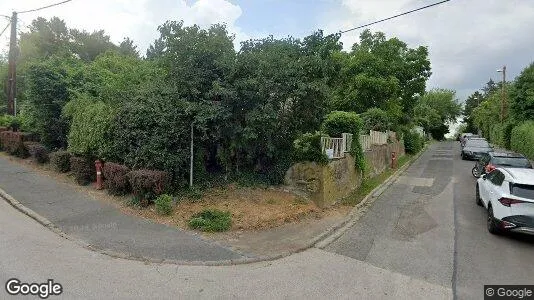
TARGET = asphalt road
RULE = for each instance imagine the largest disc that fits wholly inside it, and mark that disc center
(427, 226)
(102, 225)
(423, 238)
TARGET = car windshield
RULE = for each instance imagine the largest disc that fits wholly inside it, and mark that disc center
(517, 162)
(523, 191)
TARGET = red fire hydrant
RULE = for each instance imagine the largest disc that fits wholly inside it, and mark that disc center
(393, 160)
(98, 165)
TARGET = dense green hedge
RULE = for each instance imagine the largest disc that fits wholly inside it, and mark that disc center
(308, 148)
(338, 122)
(500, 134)
(522, 139)
(89, 125)
(413, 142)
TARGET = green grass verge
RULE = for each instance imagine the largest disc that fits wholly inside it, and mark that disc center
(371, 183)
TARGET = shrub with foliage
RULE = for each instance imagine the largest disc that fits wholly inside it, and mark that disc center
(60, 161)
(163, 204)
(338, 122)
(83, 169)
(37, 151)
(308, 148)
(522, 139)
(375, 119)
(115, 178)
(413, 142)
(90, 123)
(13, 142)
(9, 121)
(211, 220)
(501, 133)
(148, 184)
(47, 92)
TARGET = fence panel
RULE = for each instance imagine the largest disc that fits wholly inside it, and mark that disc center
(378, 138)
(365, 141)
(336, 147)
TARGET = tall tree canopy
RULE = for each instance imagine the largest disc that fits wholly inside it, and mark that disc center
(380, 70)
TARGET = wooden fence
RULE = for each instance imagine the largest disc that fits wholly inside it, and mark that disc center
(376, 138)
(336, 147)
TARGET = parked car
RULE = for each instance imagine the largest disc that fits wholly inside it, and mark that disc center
(508, 196)
(493, 160)
(474, 149)
(463, 138)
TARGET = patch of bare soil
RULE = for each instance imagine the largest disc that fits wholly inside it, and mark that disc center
(251, 208)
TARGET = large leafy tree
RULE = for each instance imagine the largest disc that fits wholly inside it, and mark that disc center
(380, 70)
(87, 46)
(436, 109)
(522, 95)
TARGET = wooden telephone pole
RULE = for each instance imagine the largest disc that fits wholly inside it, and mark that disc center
(12, 67)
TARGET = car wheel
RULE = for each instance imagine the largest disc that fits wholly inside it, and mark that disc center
(475, 172)
(477, 197)
(463, 157)
(493, 228)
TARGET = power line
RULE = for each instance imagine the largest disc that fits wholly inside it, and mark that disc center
(36, 9)
(395, 16)
(5, 29)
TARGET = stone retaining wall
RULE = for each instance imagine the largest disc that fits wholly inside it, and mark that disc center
(328, 184)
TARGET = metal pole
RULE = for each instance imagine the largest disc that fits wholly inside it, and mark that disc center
(12, 68)
(503, 93)
(191, 161)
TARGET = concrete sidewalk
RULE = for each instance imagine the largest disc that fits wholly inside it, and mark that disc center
(103, 226)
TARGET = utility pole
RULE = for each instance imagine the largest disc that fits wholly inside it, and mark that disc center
(191, 159)
(12, 67)
(503, 89)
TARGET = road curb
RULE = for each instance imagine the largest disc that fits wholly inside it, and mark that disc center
(320, 241)
(339, 229)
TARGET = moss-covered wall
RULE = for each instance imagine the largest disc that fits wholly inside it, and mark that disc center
(326, 185)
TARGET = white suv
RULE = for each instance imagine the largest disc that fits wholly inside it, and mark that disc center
(508, 195)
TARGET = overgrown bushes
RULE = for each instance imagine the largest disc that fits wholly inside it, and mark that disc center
(60, 161)
(83, 169)
(115, 178)
(501, 133)
(522, 139)
(13, 142)
(37, 151)
(212, 220)
(338, 122)
(375, 119)
(147, 184)
(308, 148)
(90, 123)
(413, 142)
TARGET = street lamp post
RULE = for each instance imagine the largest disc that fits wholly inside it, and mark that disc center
(503, 88)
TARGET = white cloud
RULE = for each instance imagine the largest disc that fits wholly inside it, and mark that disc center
(467, 40)
(137, 19)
